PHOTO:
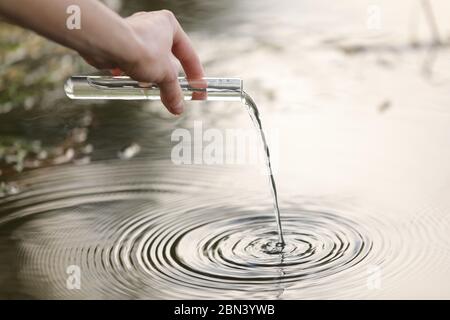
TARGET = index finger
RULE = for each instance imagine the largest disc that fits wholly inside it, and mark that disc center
(184, 51)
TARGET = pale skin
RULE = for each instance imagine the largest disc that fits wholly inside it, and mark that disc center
(147, 46)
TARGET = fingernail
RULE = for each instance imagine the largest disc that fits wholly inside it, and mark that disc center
(116, 72)
(178, 109)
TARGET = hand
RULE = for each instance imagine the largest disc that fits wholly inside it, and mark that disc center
(157, 45)
(147, 46)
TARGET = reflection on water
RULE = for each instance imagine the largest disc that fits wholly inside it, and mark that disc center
(142, 234)
(362, 163)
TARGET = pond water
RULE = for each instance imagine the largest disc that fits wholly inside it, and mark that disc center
(357, 113)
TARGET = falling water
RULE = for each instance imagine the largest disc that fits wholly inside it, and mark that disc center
(254, 114)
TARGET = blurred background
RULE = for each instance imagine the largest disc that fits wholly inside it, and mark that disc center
(357, 91)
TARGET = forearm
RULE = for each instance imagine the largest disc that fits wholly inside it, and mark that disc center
(102, 33)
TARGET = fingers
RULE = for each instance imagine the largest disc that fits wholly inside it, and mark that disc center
(170, 47)
(171, 96)
(116, 72)
(171, 93)
(182, 49)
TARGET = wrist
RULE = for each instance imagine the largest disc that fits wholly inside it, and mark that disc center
(113, 44)
(125, 47)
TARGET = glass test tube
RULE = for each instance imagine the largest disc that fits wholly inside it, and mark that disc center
(124, 88)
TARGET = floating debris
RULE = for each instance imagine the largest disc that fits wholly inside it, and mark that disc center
(87, 149)
(8, 189)
(19, 160)
(36, 146)
(70, 153)
(32, 163)
(82, 161)
(352, 49)
(384, 106)
(129, 151)
(42, 155)
(86, 119)
(13, 155)
(384, 62)
(67, 156)
(17, 155)
(6, 107)
(29, 103)
(79, 135)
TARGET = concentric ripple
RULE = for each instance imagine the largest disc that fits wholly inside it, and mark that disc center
(136, 234)
(242, 248)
